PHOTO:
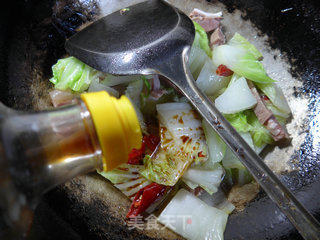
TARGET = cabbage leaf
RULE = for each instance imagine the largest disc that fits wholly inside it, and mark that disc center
(192, 218)
(127, 179)
(182, 142)
(201, 39)
(238, 40)
(241, 62)
(71, 73)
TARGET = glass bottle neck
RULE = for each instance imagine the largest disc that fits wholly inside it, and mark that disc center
(41, 150)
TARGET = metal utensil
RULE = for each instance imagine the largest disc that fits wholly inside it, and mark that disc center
(154, 38)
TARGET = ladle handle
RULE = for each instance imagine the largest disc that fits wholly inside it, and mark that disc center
(299, 216)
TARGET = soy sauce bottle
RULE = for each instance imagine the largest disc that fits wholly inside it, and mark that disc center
(41, 150)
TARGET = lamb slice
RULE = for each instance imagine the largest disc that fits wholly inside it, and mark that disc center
(277, 131)
(209, 21)
(266, 117)
(217, 38)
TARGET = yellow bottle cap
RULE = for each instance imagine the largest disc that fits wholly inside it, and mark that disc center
(116, 124)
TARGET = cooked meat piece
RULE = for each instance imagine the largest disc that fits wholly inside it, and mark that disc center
(217, 37)
(209, 21)
(240, 196)
(266, 117)
(262, 112)
(278, 132)
(60, 98)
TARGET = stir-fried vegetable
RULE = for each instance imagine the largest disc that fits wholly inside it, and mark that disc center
(226, 206)
(71, 73)
(182, 124)
(96, 86)
(239, 173)
(208, 81)
(238, 40)
(197, 59)
(193, 219)
(187, 148)
(148, 105)
(133, 92)
(239, 121)
(216, 146)
(112, 80)
(236, 98)
(207, 178)
(260, 135)
(200, 51)
(275, 95)
(248, 122)
(182, 142)
(230, 160)
(241, 58)
(201, 39)
(127, 179)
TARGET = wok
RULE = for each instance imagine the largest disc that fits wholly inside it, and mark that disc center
(32, 35)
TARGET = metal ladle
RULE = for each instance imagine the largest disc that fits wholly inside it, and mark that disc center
(154, 38)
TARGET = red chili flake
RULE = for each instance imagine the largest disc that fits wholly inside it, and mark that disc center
(180, 120)
(200, 154)
(264, 97)
(145, 197)
(222, 70)
(195, 114)
(184, 138)
(136, 155)
(151, 141)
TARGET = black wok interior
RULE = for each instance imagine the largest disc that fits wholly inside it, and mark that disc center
(32, 35)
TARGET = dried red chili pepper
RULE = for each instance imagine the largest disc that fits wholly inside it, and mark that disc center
(145, 197)
(136, 155)
(222, 70)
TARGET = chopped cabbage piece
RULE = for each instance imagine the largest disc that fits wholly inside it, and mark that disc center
(260, 135)
(238, 40)
(208, 81)
(192, 218)
(95, 86)
(275, 95)
(234, 78)
(226, 206)
(216, 147)
(208, 179)
(66, 72)
(239, 121)
(201, 39)
(127, 179)
(113, 80)
(247, 121)
(182, 142)
(230, 160)
(197, 59)
(241, 62)
(236, 98)
(133, 92)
